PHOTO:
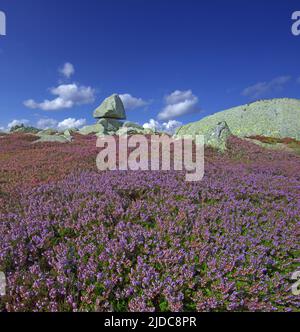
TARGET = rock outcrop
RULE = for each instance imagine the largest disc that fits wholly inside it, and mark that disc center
(219, 136)
(47, 132)
(24, 129)
(54, 139)
(93, 129)
(278, 118)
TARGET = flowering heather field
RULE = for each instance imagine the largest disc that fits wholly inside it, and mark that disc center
(74, 239)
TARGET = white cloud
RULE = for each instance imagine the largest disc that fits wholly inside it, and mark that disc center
(69, 95)
(71, 123)
(169, 127)
(131, 102)
(17, 123)
(179, 103)
(67, 70)
(46, 124)
(264, 88)
(152, 124)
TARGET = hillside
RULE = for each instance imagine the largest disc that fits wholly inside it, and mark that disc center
(279, 118)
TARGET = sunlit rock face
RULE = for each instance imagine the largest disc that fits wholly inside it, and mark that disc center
(278, 118)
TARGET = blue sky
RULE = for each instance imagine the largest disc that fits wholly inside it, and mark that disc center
(171, 60)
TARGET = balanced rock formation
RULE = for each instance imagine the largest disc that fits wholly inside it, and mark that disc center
(278, 118)
(111, 108)
(109, 116)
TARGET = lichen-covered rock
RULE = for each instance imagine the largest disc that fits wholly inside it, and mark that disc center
(219, 136)
(93, 129)
(111, 108)
(70, 132)
(130, 131)
(148, 131)
(278, 118)
(130, 124)
(47, 132)
(54, 139)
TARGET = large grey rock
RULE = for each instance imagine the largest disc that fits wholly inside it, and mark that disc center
(47, 132)
(130, 131)
(54, 139)
(277, 118)
(94, 129)
(70, 132)
(111, 108)
(219, 136)
(130, 124)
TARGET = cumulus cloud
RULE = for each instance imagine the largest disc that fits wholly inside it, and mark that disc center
(264, 88)
(169, 127)
(71, 123)
(68, 95)
(67, 70)
(179, 103)
(152, 124)
(131, 102)
(17, 123)
(46, 124)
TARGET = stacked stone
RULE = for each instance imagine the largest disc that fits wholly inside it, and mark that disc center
(110, 115)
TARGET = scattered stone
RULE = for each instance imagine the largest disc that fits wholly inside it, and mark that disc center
(93, 129)
(148, 131)
(54, 139)
(23, 129)
(47, 132)
(70, 132)
(130, 131)
(111, 108)
(130, 124)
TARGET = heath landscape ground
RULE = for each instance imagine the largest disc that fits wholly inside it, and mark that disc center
(76, 239)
